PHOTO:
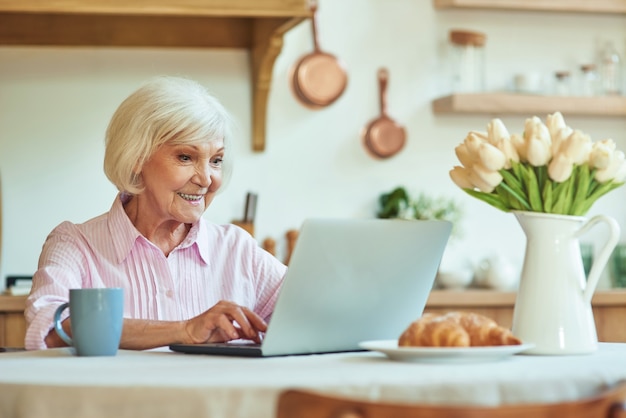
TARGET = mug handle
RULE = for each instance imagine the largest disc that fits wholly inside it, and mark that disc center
(58, 327)
(606, 251)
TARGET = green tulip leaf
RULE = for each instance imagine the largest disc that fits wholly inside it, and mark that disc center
(510, 179)
(516, 199)
(532, 189)
(582, 189)
(547, 197)
(490, 198)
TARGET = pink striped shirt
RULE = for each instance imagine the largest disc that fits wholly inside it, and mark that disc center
(213, 263)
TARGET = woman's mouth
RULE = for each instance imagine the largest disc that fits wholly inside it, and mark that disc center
(191, 197)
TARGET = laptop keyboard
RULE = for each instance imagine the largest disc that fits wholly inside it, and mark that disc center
(242, 345)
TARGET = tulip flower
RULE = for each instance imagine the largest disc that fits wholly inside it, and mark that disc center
(496, 132)
(538, 152)
(498, 136)
(491, 157)
(485, 179)
(560, 168)
(555, 123)
(576, 147)
(538, 142)
(559, 137)
(472, 142)
(481, 135)
(463, 154)
(558, 130)
(534, 128)
(508, 149)
(620, 173)
(549, 168)
(478, 183)
(520, 147)
(600, 155)
(614, 167)
(460, 177)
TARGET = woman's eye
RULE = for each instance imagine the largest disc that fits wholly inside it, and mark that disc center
(184, 158)
(217, 161)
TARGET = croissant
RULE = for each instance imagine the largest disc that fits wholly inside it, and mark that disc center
(456, 329)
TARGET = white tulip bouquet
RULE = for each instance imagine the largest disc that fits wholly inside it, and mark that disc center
(550, 168)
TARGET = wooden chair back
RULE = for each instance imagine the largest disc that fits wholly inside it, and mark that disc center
(307, 404)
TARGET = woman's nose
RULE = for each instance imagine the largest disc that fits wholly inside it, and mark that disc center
(203, 175)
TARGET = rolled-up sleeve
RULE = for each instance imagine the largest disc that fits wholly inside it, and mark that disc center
(59, 270)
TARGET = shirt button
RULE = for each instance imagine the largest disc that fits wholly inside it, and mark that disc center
(169, 293)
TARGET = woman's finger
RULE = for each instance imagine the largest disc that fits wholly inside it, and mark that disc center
(227, 321)
(249, 322)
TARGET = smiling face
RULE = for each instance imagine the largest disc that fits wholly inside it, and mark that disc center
(180, 181)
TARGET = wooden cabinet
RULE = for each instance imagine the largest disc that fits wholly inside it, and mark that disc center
(510, 103)
(12, 322)
(609, 308)
(255, 25)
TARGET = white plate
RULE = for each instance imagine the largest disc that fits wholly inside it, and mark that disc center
(443, 354)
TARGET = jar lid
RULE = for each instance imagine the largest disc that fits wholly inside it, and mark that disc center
(562, 74)
(465, 37)
(588, 68)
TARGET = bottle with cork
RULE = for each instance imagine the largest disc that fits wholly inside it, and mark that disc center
(467, 61)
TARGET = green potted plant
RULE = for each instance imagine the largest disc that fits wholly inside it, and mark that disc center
(399, 204)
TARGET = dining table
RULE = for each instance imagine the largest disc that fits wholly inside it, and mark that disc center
(163, 383)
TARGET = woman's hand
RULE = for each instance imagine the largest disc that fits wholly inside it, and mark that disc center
(225, 321)
(218, 324)
(53, 340)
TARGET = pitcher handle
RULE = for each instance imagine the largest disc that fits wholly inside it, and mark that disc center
(603, 257)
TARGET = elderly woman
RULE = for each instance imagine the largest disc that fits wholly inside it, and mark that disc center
(185, 279)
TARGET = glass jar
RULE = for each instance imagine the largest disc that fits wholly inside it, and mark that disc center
(588, 85)
(468, 61)
(610, 71)
(562, 84)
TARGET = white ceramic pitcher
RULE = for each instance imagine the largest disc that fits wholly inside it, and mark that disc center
(553, 304)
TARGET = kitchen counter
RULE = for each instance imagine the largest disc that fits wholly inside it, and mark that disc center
(609, 307)
(12, 322)
(484, 297)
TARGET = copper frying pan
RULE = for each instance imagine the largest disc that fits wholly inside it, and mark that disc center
(383, 137)
(318, 78)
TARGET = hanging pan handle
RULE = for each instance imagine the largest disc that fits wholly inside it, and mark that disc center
(383, 80)
(313, 8)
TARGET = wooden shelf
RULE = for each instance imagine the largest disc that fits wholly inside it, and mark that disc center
(582, 6)
(255, 25)
(510, 103)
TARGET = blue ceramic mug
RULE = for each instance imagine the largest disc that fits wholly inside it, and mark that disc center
(96, 321)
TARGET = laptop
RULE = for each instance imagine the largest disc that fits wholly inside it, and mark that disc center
(348, 281)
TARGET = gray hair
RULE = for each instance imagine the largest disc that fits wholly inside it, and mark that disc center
(164, 109)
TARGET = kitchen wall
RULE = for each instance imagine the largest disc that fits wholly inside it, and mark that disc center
(55, 104)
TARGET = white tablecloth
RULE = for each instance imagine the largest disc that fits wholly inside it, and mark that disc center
(54, 383)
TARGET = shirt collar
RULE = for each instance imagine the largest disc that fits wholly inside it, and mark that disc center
(125, 235)
(198, 238)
